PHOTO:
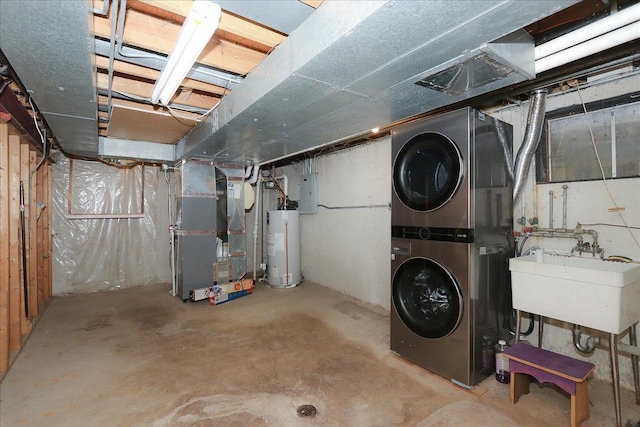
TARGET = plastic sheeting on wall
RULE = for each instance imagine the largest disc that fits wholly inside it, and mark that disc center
(98, 254)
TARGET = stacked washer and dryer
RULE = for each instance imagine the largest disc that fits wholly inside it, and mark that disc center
(451, 227)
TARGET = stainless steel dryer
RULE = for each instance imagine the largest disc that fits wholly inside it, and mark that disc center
(451, 241)
(440, 163)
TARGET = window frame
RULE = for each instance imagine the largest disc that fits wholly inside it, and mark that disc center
(542, 157)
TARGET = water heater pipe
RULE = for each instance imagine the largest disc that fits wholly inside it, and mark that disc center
(285, 184)
(255, 224)
(284, 189)
(535, 121)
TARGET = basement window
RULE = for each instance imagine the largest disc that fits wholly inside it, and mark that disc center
(569, 155)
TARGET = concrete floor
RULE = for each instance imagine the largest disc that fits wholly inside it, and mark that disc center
(137, 357)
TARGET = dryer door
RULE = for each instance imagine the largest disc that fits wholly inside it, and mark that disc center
(427, 171)
(427, 298)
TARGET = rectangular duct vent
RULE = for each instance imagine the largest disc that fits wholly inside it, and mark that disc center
(510, 56)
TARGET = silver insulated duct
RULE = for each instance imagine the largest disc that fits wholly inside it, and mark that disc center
(535, 121)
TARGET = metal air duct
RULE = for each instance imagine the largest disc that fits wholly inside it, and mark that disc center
(353, 66)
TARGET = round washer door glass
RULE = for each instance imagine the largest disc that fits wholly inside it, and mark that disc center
(427, 298)
(427, 171)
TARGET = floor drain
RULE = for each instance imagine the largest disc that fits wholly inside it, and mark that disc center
(306, 410)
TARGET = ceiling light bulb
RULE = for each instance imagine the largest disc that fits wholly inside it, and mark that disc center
(201, 22)
(375, 130)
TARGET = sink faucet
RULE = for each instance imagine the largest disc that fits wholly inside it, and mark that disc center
(586, 247)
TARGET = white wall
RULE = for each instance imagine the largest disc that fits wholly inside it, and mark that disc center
(348, 249)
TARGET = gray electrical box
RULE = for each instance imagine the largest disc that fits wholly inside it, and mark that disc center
(308, 194)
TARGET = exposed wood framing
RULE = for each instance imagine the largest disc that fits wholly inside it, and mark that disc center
(4, 249)
(142, 89)
(15, 294)
(232, 28)
(19, 117)
(17, 160)
(47, 240)
(38, 231)
(32, 257)
(158, 35)
(25, 324)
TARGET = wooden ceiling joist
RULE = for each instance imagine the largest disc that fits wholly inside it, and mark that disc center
(236, 48)
(147, 73)
(19, 115)
(232, 28)
(157, 35)
(102, 100)
(143, 90)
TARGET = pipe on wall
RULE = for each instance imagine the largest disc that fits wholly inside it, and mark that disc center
(258, 213)
(535, 121)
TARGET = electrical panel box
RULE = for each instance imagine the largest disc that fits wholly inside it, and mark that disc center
(308, 194)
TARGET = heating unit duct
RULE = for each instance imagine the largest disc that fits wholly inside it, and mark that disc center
(210, 225)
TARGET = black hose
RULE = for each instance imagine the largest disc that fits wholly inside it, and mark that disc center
(24, 252)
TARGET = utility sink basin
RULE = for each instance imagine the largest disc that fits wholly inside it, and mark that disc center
(598, 294)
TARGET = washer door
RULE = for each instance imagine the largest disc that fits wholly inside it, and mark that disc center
(427, 171)
(427, 298)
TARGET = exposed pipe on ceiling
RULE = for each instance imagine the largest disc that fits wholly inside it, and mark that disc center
(607, 33)
(613, 22)
(610, 40)
(535, 121)
(112, 53)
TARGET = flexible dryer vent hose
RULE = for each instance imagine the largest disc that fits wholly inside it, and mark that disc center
(535, 121)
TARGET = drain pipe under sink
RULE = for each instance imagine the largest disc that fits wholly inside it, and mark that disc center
(593, 341)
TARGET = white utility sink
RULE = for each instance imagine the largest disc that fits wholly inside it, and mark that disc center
(603, 295)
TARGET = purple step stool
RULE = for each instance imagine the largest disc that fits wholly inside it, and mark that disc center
(548, 367)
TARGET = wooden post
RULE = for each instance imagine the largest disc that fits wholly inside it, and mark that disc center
(4, 249)
(47, 235)
(25, 323)
(40, 238)
(15, 335)
(31, 236)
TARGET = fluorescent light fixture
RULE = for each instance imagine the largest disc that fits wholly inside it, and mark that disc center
(201, 22)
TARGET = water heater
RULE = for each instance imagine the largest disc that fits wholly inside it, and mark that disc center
(283, 248)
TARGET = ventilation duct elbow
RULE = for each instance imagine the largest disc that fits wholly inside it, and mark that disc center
(505, 143)
(535, 121)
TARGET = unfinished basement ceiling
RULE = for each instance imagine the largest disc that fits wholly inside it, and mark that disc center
(276, 79)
